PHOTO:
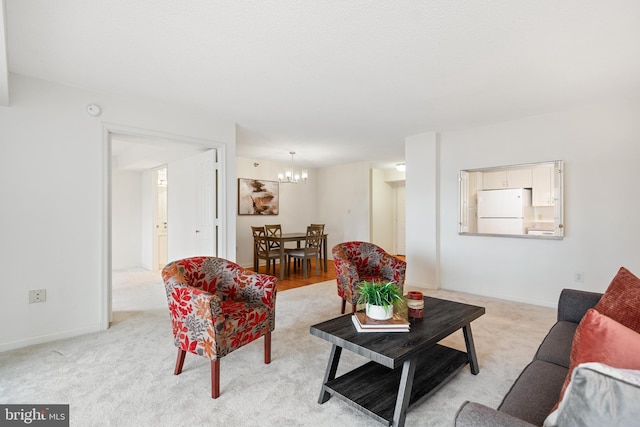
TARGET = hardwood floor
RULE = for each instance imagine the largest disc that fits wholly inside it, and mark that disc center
(296, 279)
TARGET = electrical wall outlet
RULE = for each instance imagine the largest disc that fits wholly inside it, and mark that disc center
(579, 277)
(37, 295)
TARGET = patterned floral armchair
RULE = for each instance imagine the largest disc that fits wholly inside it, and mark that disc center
(358, 261)
(216, 307)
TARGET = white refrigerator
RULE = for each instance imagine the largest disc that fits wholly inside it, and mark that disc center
(506, 211)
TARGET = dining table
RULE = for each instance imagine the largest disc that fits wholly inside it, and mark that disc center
(297, 237)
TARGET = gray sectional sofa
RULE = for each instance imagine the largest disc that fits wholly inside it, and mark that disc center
(538, 387)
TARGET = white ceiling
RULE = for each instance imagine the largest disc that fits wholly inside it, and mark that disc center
(337, 81)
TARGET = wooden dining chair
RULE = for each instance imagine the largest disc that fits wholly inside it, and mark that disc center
(261, 250)
(322, 243)
(311, 250)
(273, 230)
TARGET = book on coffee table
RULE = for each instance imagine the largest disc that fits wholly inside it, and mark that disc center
(363, 323)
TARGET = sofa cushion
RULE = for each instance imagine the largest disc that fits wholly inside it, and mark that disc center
(599, 395)
(574, 303)
(601, 339)
(556, 346)
(476, 414)
(621, 300)
(535, 392)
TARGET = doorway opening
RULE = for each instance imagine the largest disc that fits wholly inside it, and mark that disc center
(160, 179)
(137, 222)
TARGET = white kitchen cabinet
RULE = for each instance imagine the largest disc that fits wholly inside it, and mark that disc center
(543, 186)
(511, 178)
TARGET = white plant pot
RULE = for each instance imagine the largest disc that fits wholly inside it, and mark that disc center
(379, 312)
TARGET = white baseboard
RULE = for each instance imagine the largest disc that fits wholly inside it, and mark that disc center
(12, 345)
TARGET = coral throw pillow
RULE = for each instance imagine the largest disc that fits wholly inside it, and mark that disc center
(621, 301)
(602, 339)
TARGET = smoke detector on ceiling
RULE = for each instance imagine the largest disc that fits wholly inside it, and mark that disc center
(93, 110)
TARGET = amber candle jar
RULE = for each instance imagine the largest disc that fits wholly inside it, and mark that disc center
(415, 303)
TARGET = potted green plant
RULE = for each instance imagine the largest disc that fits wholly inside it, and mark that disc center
(380, 298)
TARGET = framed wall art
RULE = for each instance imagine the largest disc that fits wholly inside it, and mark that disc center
(258, 197)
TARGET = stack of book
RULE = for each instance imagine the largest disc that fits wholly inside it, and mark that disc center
(366, 324)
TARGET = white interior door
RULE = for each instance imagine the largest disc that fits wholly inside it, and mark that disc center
(160, 218)
(192, 206)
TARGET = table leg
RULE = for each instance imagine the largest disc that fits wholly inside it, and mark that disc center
(256, 264)
(330, 373)
(324, 250)
(281, 261)
(404, 392)
(471, 349)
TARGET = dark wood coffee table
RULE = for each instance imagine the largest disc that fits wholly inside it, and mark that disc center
(379, 388)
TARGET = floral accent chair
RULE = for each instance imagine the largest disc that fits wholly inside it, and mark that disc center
(216, 307)
(358, 261)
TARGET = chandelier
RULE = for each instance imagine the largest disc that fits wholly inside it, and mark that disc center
(291, 175)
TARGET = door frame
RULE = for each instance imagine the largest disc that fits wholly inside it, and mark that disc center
(106, 222)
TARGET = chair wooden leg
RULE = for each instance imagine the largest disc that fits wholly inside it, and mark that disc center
(344, 305)
(215, 378)
(267, 348)
(179, 362)
(353, 308)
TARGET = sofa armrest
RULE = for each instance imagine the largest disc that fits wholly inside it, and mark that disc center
(573, 304)
(475, 414)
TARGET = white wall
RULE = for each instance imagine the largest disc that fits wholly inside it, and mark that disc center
(126, 219)
(52, 235)
(147, 210)
(601, 148)
(344, 202)
(4, 68)
(298, 205)
(422, 211)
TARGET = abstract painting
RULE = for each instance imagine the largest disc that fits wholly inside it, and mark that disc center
(258, 197)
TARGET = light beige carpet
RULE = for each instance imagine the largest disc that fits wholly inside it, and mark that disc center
(124, 376)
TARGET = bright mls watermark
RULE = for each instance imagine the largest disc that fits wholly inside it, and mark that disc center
(34, 415)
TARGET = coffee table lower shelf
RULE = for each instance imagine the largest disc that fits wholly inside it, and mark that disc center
(373, 388)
